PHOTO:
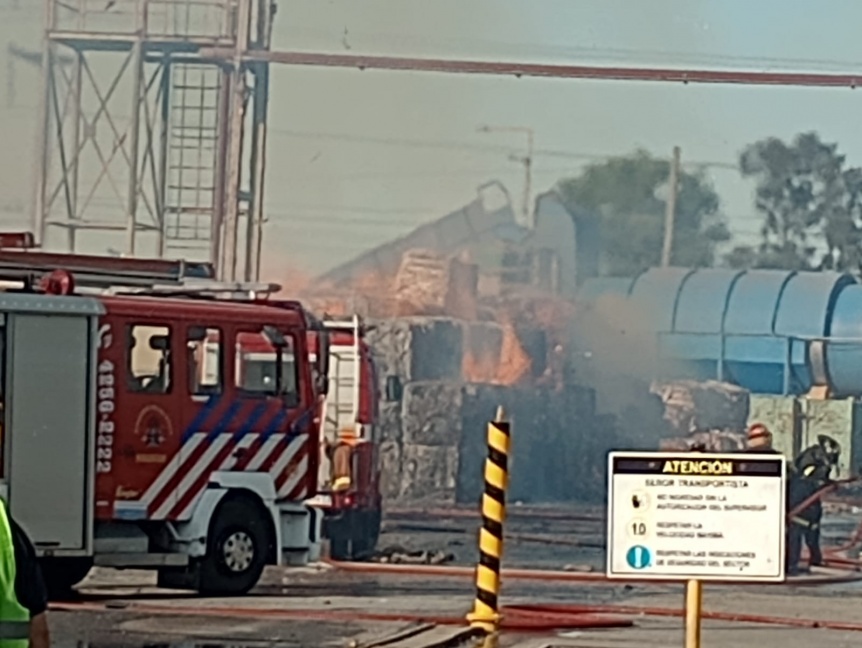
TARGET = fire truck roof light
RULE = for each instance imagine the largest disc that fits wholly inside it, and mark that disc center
(17, 241)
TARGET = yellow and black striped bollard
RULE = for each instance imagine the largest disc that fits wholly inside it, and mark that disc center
(486, 614)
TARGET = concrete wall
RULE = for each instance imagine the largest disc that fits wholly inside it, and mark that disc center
(796, 422)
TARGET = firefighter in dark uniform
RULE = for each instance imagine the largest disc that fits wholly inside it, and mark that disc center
(759, 441)
(813, 468)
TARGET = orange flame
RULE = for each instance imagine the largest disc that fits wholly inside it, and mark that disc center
(429, 284)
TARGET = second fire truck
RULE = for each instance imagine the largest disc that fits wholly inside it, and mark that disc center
(349, 415)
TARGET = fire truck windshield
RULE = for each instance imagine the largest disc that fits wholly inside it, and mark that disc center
(257, 366)
(260, 374)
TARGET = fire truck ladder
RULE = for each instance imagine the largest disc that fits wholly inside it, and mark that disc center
(20, 261)
(341, 408)
(92, 271)
(208, 289)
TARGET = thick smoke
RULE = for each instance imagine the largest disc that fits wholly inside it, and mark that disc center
(612, 334)
(618, 355)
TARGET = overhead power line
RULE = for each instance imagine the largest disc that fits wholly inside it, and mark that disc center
(454, 145)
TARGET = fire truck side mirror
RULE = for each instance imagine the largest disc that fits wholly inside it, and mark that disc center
(322, 384)
(323, 350)
(274, 337)
(394, 389)
(160, 343)
(196, 334)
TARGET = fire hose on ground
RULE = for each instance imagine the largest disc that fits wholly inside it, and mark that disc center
(831, 555)
(526, 618)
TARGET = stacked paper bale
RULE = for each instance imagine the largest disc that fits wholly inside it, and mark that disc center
(422, 282)
(558, 444)
(454, 376)
(710, 414)
(419, 434)
(431, 431)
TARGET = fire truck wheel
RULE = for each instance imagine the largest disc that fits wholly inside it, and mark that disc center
(355, 536)
(339, 547)
(240, 541)
(62, 574)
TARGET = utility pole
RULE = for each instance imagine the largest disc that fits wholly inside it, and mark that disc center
(670, 211)
(527, 161)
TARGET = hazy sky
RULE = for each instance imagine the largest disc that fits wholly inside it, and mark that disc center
(356, 158)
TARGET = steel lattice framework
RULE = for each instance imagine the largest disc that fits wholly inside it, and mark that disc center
(143, 136)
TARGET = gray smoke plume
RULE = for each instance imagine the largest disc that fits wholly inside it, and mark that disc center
(617, 354)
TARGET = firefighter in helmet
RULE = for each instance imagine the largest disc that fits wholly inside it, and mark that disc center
(813, 469)
(759, 440)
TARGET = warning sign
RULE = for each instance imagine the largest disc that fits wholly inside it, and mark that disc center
(696, 516)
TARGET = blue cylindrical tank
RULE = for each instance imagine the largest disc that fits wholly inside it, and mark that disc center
(843, 349)
(757, 328)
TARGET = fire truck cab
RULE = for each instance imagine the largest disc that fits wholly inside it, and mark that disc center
(120, 450)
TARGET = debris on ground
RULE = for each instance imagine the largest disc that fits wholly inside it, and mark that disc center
(425, 636)
(401, 556)
(584, 569)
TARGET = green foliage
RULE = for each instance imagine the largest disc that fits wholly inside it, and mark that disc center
(625, 193)
(804, 192)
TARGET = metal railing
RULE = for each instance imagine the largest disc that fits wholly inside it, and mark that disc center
(811, 349)
(205, 21)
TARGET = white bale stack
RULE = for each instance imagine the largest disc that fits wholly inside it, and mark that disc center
(692, 406)
(419, 434)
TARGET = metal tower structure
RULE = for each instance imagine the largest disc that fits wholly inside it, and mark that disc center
(143, 138)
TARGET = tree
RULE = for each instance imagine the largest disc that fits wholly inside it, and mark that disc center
(624, 193)
(803, 192)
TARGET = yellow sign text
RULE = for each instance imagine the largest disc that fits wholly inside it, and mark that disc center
(688, 467)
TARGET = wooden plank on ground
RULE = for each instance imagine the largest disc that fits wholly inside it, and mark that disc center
(438, 637)
(411, 630)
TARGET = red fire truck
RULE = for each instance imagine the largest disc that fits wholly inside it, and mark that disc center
(118, 449)
(353, 516)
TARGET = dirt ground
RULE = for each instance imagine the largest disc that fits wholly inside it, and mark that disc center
(323, 606)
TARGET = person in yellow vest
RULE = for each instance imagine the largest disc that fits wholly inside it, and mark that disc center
(23, 596)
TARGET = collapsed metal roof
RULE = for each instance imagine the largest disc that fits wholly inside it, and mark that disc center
(571, 234)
